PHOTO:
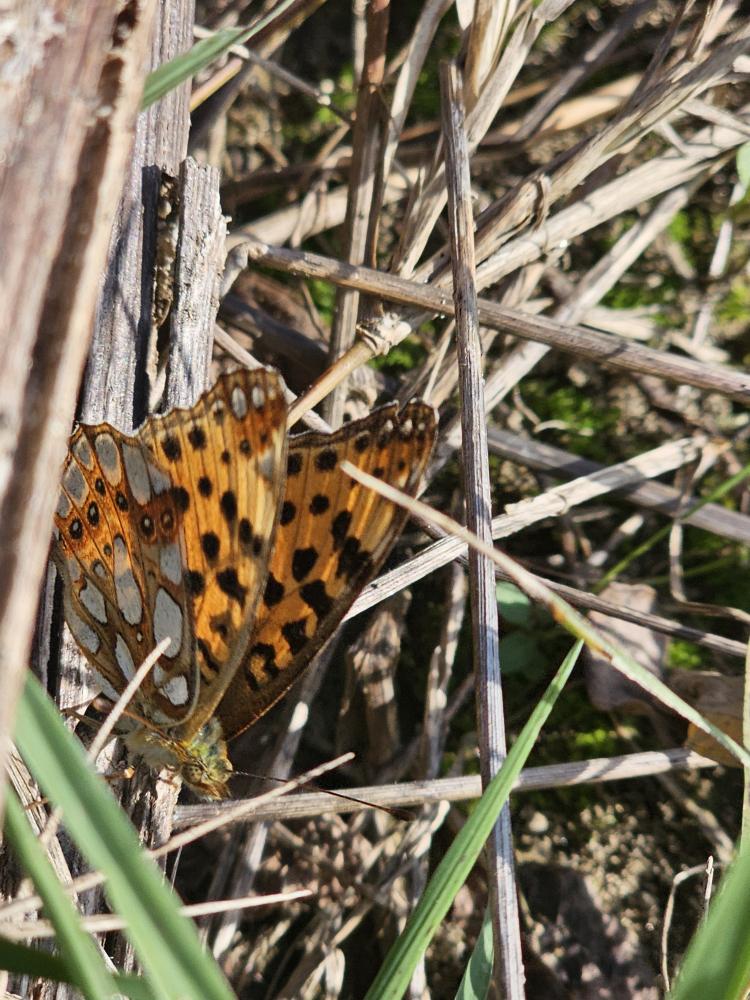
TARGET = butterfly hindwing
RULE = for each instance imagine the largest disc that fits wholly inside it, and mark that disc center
(332, 536)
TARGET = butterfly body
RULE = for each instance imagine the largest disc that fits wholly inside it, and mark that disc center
(201, 760)
(212, 528)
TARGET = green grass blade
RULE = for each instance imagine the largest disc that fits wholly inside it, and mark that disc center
(717, 963)
(166, 942)
(478, 975)
(21, 960)
(171, 74)
(400, 962)
(81, 955)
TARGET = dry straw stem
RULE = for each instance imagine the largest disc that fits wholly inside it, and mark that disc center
(688, 163)
(103, 923)
(478, 499)
(211, 821)
(461, 788)
(448, 548)
(653, 496)
(614, 352)
(553, 503)
(365, 190)
(561, 612)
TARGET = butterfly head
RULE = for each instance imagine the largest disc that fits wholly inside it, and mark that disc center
(201, 761)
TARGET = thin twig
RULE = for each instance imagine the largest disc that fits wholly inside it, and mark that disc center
(459, 789)
(614, 352)
(478, 499)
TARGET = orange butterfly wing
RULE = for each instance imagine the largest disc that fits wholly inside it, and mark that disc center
(226, 457)
(332, 536)
(167, 533)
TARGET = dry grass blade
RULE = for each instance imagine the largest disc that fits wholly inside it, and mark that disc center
(105, 923)
(615, 352)
(218, 818)
(533, 587)
(463, 788)
(477, 497)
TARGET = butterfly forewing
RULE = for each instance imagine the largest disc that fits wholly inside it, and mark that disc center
(332, 536)
(119, 552)
(226, 459)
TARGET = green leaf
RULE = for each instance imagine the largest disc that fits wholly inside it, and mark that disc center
(400, 962)
(520, 654)
(515, 607)
(166, 942)
(478, 975)
(184, 66)
(21, 960)
(717, 963)
(80, 954)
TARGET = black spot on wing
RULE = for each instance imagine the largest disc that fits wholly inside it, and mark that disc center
(303, 561)
(315, 596)
(181, 498)
(228, 504)
(170, 445)
(205, 486)
(274, 591)
(197, 438)
(294, 633)
(231, 586)
(319, 504)
(288, 512)
(210, 544)
(326, 460)
(340, 528)
(294, 464)
(195, 582)
(245, 532)
(353, 559)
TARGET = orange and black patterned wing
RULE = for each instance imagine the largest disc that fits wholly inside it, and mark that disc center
(226, 458)
(118, 549)
(332, 536)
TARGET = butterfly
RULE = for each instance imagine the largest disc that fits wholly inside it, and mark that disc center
(240, 545)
